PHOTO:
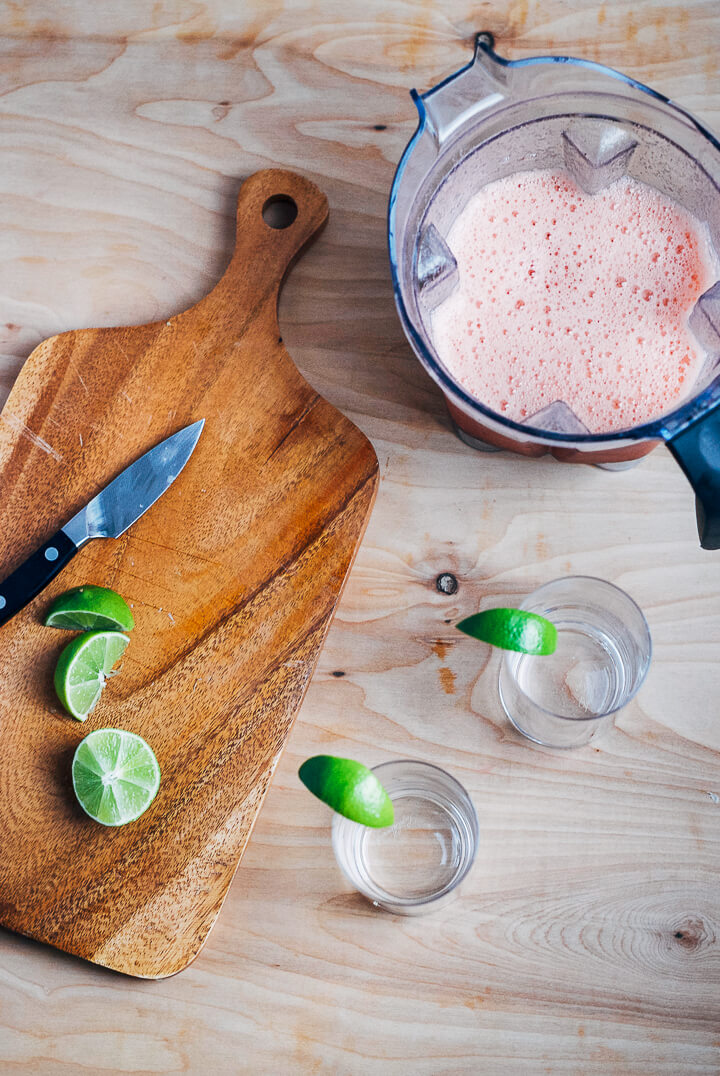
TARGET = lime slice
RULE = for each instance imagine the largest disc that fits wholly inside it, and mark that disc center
(349, 788)
(84, 666)
(115, 776)
(90, 608)
(512, 629)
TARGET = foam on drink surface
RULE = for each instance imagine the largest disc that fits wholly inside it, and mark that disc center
(575, 297)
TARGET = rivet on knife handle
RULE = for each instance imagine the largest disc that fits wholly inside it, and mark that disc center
(34, 574)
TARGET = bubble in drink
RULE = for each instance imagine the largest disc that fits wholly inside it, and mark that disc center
(565, 296)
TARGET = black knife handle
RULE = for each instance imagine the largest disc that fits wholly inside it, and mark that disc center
(34, 574)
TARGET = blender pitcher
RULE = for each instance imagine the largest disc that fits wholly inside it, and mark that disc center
(497, 117)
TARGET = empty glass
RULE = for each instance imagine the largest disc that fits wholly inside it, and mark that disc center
(602, 657)
(415, 865)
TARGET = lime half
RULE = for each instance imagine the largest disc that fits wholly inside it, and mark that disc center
(84, 666)
(90, 608)
(512, 629)
(349, 788)
(115, 776)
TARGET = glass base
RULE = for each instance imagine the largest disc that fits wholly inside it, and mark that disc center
(575, 734)
(415, 865)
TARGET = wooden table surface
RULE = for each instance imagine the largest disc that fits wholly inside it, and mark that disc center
(586, 939)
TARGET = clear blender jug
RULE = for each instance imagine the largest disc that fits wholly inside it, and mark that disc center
(496, 117)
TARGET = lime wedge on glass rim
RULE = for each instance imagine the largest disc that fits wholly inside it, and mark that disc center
(349, 788)
(84, 666)
(115, 776)
(90, 608)
(512, 629)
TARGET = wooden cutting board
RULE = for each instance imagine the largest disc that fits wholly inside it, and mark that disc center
(233, 576)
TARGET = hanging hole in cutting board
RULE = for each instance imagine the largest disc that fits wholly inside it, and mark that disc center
(280, 211)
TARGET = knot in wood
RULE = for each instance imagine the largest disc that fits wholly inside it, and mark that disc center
(446, 583)
(691, 934)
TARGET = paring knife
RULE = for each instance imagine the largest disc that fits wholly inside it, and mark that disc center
(108, 515)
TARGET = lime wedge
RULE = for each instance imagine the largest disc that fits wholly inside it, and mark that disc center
(90, 608)
(512, 629)
(349, 788)
(115, 776)
(84, 666)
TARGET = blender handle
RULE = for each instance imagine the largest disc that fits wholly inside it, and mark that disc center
(697, 450)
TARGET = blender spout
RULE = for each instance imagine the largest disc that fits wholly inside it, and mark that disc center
(484, 53)
(480, 86)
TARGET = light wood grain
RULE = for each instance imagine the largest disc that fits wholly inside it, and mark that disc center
(585, 941)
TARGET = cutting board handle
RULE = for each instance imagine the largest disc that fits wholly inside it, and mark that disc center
(263, 252)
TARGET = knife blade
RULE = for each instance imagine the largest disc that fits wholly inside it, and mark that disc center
(108, 515)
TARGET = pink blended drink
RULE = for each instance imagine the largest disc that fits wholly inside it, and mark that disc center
(574, 297)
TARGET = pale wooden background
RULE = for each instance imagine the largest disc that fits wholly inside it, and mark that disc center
(586, 941)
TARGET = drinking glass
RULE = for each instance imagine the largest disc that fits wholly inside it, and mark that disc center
(602, 656)
(415, 865)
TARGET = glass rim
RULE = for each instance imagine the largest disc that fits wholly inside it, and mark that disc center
(508, 655)
(382, 896)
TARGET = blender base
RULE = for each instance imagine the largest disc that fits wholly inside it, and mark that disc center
(475, 442)
(485, 446)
